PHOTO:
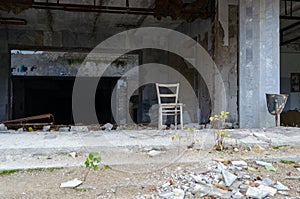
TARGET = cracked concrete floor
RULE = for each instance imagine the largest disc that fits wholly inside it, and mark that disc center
(127, 152)
(50, 149)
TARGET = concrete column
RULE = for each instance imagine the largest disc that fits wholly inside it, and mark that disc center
(259, 68)
(4, 76)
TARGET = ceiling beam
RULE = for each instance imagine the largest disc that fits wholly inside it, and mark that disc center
(92, 8)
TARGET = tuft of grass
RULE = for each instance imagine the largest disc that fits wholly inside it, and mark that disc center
(279, 146)
(287, 162)
(7, 172)
(81, 190)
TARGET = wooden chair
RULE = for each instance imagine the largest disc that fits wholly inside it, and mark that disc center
(168, 103)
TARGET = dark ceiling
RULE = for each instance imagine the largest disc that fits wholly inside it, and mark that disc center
(118, 15)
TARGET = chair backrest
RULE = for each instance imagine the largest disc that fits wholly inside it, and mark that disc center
(167, 93)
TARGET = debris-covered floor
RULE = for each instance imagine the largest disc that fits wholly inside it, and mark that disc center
(147, 163)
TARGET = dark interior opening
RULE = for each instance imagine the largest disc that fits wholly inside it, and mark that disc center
(36, 95)
(103, 99)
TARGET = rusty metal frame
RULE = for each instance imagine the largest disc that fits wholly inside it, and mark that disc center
(32, 119)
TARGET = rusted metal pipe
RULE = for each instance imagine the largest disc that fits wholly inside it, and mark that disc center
(31, 119)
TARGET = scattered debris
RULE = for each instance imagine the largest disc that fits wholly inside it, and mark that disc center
(71, 184)
(178, 194)
(293, 178)
(64, 129)
(256, 193)
(229, 178)
(224, 179)
(297, 166)
(153, 153)
(267, 165)
(270, 168)
(262, 163)
(107, 127)
(79, 129)
(280, 187)
(240, 163)
(272, 191)
(73, 154)
(3, 127)
(252, 169)
(46, 128)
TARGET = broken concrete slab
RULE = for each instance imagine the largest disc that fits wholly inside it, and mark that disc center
(272, 191)
(262, 163)
(73, 154)
(229, 178)
(178, 194)
(265, 181)
(153, 153)
(71, 184)
(237, 194)
(256, 193)
(280, 187)
(239, 163)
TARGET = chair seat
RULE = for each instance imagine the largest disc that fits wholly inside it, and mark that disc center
(171, 104)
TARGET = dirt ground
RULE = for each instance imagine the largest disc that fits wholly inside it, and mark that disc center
(131, 181)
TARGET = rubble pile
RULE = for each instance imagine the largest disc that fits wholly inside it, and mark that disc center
(222, 179)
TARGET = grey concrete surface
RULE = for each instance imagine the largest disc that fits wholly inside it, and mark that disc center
(50, 149)
(259, 67)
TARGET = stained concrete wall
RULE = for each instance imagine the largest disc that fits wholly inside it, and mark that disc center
(259, 71)
(4, 77)
(68, 63)
(221, 42)
(226, 53)
(210, 34)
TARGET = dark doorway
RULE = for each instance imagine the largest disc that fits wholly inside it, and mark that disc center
(103, 99)
(35, 95)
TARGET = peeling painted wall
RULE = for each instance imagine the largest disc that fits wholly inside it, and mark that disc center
(226, 58)
(67, 64)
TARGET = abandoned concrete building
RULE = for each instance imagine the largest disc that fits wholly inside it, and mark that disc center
(249, 47)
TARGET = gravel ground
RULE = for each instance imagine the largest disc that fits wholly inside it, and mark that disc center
(145, 179)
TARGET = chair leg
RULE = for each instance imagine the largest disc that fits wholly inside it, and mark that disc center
(181, 117)
(159, 118)
(175, 118)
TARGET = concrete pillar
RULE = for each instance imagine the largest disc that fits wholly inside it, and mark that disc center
(259, 69)
(4, 76)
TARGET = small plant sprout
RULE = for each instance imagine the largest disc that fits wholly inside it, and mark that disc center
(218, 123)
(93, 161)
(189, 137)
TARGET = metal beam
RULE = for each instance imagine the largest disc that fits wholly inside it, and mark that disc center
(290, 17)
(92, 8)
(290, 41)
(290, 26)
